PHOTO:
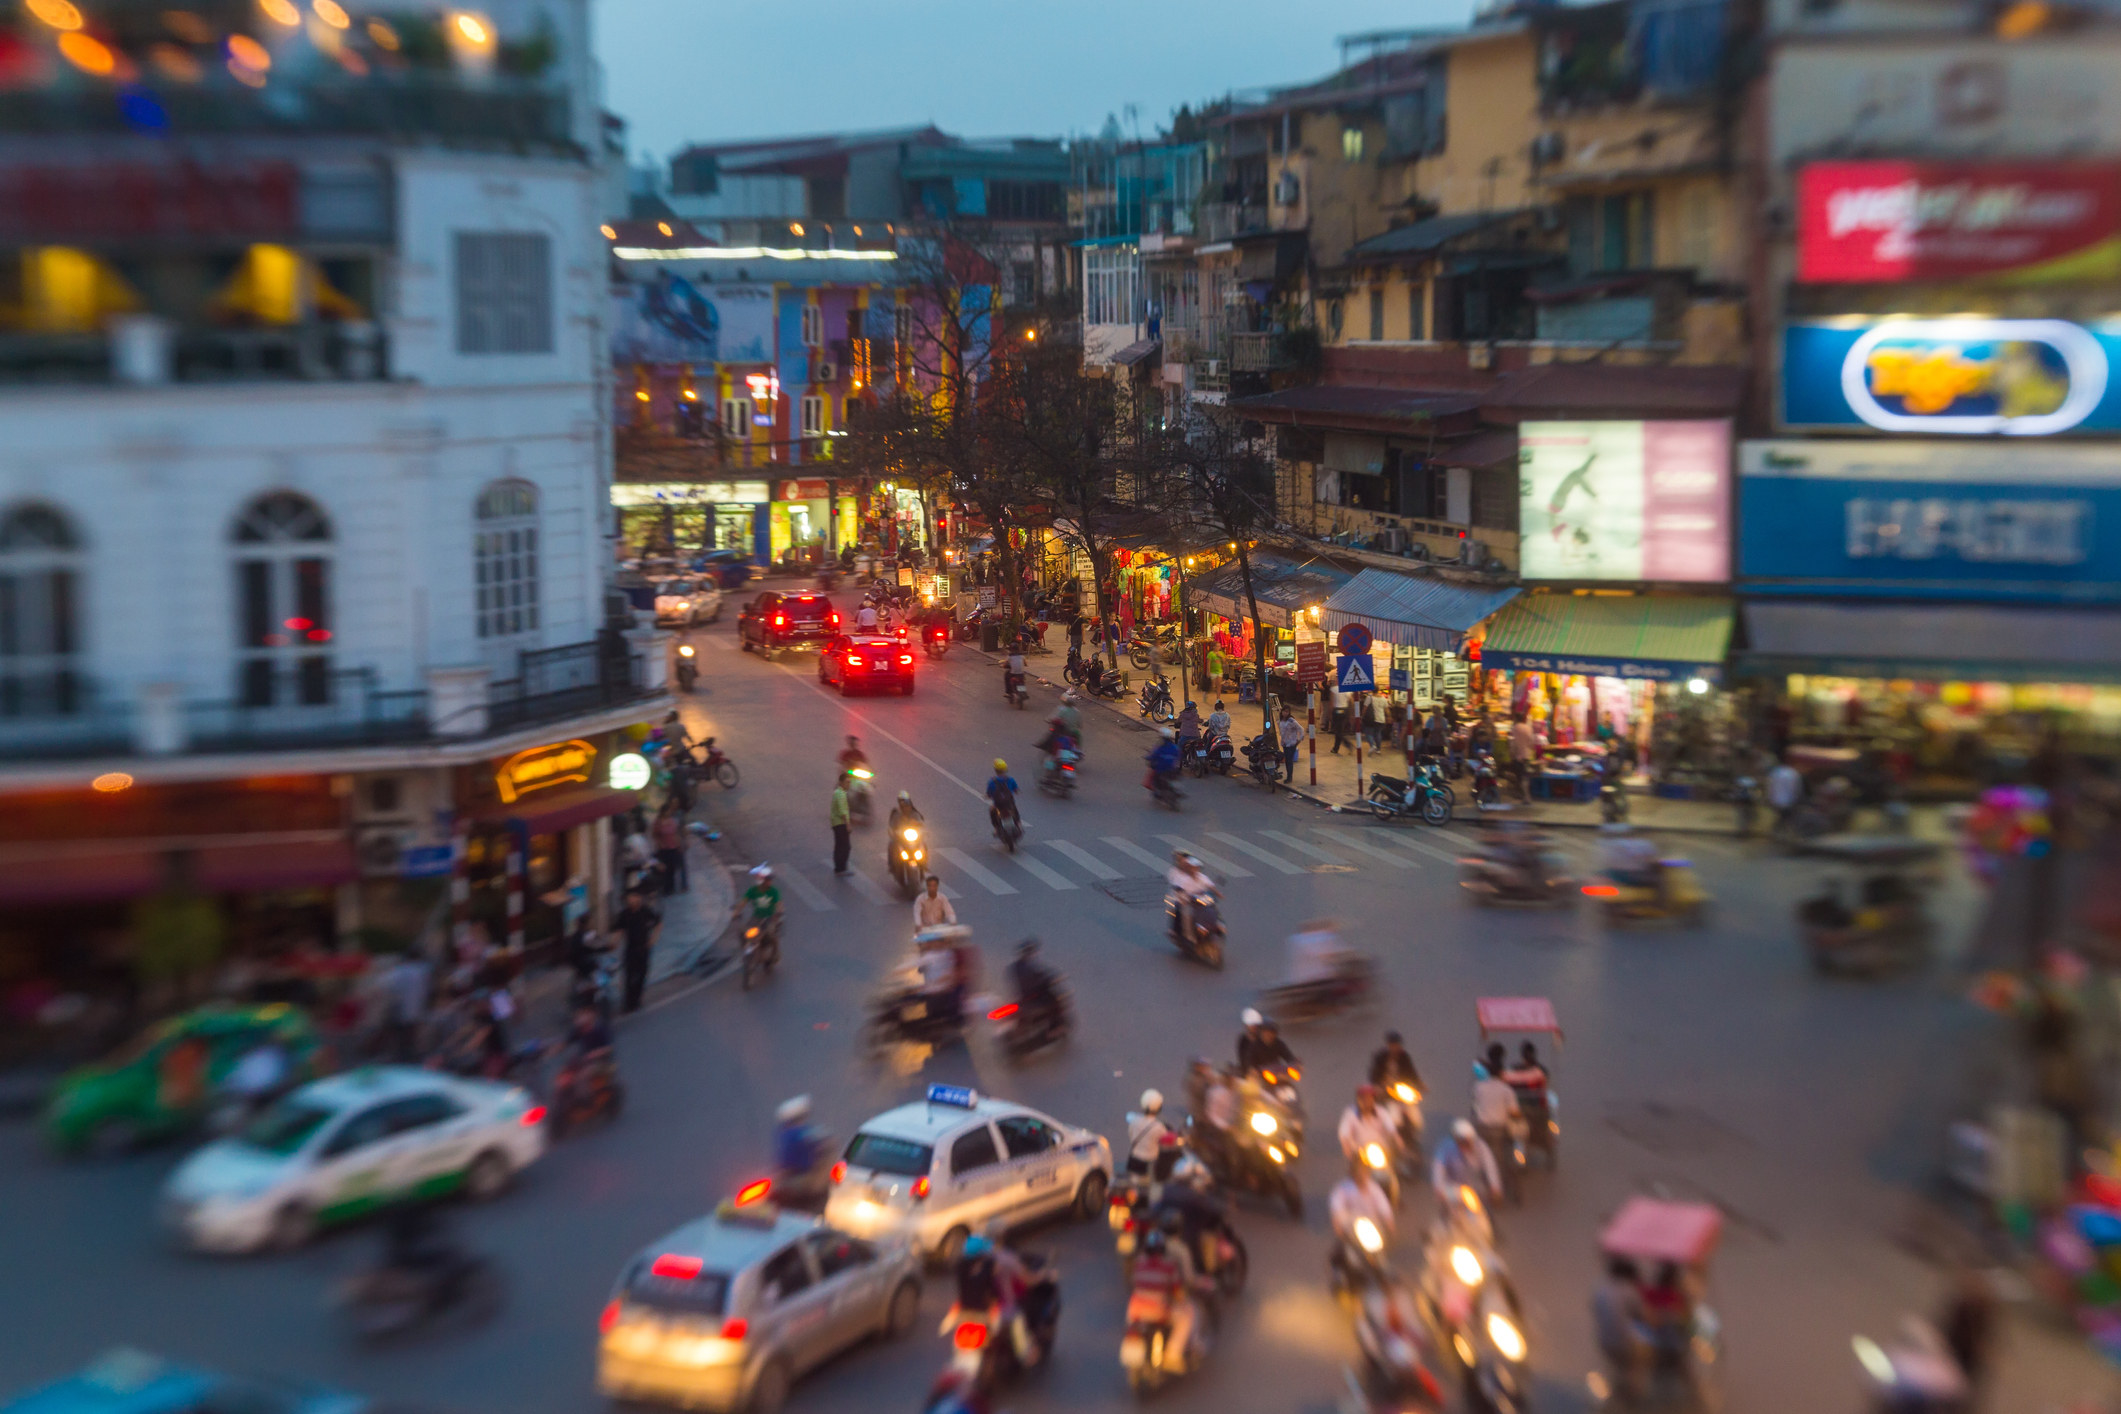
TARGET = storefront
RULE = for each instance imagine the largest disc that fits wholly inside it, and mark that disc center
(1425, 631)
(681, 517)
(1292, 596)
(1939, 603)
(802, 518)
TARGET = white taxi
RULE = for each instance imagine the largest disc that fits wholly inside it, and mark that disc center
(339, 1148)
(939, 1170)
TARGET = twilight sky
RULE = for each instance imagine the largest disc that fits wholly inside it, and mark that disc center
(680, 72)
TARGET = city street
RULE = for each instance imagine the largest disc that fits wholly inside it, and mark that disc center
(1706, 1063)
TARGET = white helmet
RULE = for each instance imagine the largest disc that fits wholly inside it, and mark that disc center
(792, 1111)
(1250, 1016)
(1463, 1129)
(762, 871)
(1152, 1101)
(1168, 733)
(1068, 696)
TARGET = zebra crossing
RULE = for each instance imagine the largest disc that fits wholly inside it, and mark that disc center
(1065, 866)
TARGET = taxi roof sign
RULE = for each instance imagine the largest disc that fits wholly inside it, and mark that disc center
(963, 1097)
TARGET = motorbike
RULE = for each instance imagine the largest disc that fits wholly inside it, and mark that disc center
(1014, 690)
(596, 987)
(1164, 787)
(761, 951)
(1019, 1032)
(860, 797)
(1057, 776)
(1613, 803)
(983, 1349)
(1144, 1351)
(968, 627)
(1216, 753)
(715, 764)
(935, 639)
(1745, 798)
(1487, 787)
(1351, 984)
(1218, 1251)
(1531, 874)
(1469, 1301)
(389, 1301)
(909, 859)
(1203, 941)
(1358, 1259)
(1264, 758)
(910, 1018)
(1155, 699)
(1396, 1350)
(1008, 828)
(587, 1089)
(1424, 795)
(1677, 894)
(1253, 1159)
(688, 667)
(1407, 1122)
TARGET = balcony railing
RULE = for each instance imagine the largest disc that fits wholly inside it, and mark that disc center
(510, 113)
(1256, 353)
(337, 352)
(1220, 220)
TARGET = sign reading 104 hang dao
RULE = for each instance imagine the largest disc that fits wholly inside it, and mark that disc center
(1962, 377)
(1625, 501)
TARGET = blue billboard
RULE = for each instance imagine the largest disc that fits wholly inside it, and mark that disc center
(1959, 377)
(1930, 520)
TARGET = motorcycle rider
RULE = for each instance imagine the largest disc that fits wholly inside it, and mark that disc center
(1001, 796)
(931, 909)
(1038, 1000)
(1188, 731)
(1164, 1284)
(1357, 1196)
(902, 814)
(1631, 858)
(1189, 1210)
(1014, 673)
(1390, 1067)
(797, 1145)
(764, 898)
(1214, 1103)
(1496, 1115)
(1187, 880)
(1317, 955)
(1362, 1124)
(851, 755)
(1146, 1132)
(1260, 1046)
(1069, 718)
(1462, 1159)
(1050, 746)
(865, 618)
(993, 1278)
(1218, 723)
(417, 1246)
(1163, 758)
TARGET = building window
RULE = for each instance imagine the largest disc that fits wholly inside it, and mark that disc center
(902, 329)
(1611, 232)
(1351, 144)
(504, 292)
(1023, 284)
(40, 563)
(504, 553)
(1111, 285)
(283, 602)
(813, 326)
(1417, 311)
(813, 416)
(1377, 315)
(736, 419)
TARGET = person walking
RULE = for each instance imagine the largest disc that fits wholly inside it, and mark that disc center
(637, 926)
(1524, 750)
(1339, 713)
(1292, 738)
(1379, 725)
(670, 850)
(842, 825)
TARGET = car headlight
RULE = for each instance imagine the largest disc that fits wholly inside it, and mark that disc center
(1467, 1266)
(1264, 1123)
(1368, 1237)
(1507, 1338)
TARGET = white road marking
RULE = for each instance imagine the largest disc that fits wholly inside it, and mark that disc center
(867, 887)
(1228, 868)
(1424, 847)
(1291, 842)
(1051, 878)
(1272, 861)
(1136, 852)
(804, 889)
(992, 882)
(1348, 839)
(885, 732)
(1093, 866)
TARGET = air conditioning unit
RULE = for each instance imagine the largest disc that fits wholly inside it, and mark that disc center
(380, 849)
(1473, 552)
(1215, 367)
(1391, 539)
(828, 372)
(388, 799)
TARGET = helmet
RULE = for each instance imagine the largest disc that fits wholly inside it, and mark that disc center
(1193, 1171)
(1027, 947)
(793, 1110)
(1480, 1071)
(1392, 1038)
(1000, 765)
(905, 797)
(1463, 1129)
(978, 1245)
(1068, 696)
(1152, 1101)
(1168, 733)
(1366, 1092)
(1250, 1016)
(1189, 703)
(762, 871)
(1153, 1242)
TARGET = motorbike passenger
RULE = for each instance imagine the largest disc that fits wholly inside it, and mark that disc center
(1146, 1132)
(1358, 1196)
(1001, 795)
(1163, 758)
(1497, 1117)
(1037, 989)
(1260, 1046)
(931, 909)
(1188, 1210)
(1363, 1124)
(1070, 718)
(1527, 1074)
(1462, 1159)
(1214, 1103)
(1218, 722)
(1622, 1325)
(1187, 880)
(1164, 1285)
(993, 1278)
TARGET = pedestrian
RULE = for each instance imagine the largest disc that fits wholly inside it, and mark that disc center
(1524, 750)
(405, 988)
(1380, 720)
(842, 825)
(637, 925)
(1292, 737)
(1218, 665)
(1338, 716)
(669, 841)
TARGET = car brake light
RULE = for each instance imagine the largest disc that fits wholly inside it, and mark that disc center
(675, 1267)
(535, 1115)
(971, 1336)
(920, 1187)
(780, 621)
(753, 1191)
(1602, 890)
(905, 657)
(839, 1172)
(854, 660)
(833, 619)
(610, 1315)
(1002, 1012)
(735, 1328)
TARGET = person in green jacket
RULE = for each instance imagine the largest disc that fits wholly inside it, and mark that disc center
(842, 826)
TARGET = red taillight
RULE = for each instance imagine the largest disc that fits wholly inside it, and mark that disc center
(971, 1336)
(780, 621)
(735, 1328)
(920, 1187)
(675, 1267)
(1002, 1012)
(1601, 890)
(610, 1315)
(854, 660)
(533, 1116)
(905, 657)
(753, 1191)
(839, 1172)
(833, 619)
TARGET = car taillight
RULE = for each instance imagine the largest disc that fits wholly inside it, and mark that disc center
(1002, 1012)
(854, 660)
(971, 1336)
(1601, 890)
(610, 1315)
(735, 1328)
(753, 1191)
(833, 619)
(533, 1116)
(780, 621)
(920, 1187)
(839, 1172)
(905, 657)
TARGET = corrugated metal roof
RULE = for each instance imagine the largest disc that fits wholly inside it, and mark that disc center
(1417, 611)
(1282, 587)
(1433, 234)
(1481, 449)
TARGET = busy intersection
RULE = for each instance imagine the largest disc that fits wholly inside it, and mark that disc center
(1694, 1063)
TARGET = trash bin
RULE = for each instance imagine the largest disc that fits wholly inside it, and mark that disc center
(990, 636)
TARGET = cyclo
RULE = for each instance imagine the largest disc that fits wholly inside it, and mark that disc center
(1661, 1248)
(1536, 1100)
(1887, 927)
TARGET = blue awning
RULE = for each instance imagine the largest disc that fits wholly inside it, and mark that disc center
(1413, 610)
(1284, 588)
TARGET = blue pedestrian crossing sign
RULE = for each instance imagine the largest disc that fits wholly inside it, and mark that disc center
(1355, 673)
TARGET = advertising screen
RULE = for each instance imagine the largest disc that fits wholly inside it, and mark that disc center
(1625, 501)
(1963, 377)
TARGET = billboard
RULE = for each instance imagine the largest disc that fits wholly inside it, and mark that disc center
(1624, 501)
(667, 318)
(1885, 221)
(1928, 520)
(1963, 377)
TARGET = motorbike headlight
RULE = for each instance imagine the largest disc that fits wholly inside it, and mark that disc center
(911, 835)
(1368, 1237)
(1264, 1123)
(1469, 1199)
(1508, 1340)
(1274, 1152)
(1405, 1093)
(1374, 1155)
(1467, 1266)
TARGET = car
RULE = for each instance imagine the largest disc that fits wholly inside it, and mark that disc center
(126, 1381)
(776, 620)
(727, 1311)
(341, 1148)
(728, 567)
(958, 1162)
(166, 1082)
(863, 660)
(688, 601)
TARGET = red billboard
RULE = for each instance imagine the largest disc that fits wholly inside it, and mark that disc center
(1882, 221)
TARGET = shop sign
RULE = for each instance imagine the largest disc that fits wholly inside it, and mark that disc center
(1953, 377)
(1625, 501)
(543, 766)
(1310, 661)
(1884, 221)
(720, 493)
(808, 489)
(1402, 679)
(426, 861)
(1567, 665)
(1930, 520)
(630, 771)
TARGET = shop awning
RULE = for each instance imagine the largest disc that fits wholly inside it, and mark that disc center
(1138, 352)
(1932, 642)
(303, 864)
(1283, 587)
(549, 812)
(1659, 637)
(67, 872)
(70, 878)
(1414, 611)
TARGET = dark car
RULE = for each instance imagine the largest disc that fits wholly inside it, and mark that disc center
(864, 660)
(730, 568)
(776, 620)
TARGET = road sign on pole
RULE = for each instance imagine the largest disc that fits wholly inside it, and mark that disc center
(1354, 673)
(1354, 640)
(1310, 662)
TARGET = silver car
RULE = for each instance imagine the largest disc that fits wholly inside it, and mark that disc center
(726, 1312)
(688, 601)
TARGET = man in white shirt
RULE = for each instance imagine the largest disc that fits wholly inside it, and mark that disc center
(931, 909)
(1785, 791)
(865, 618)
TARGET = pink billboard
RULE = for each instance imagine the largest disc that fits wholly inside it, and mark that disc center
(1625, 501)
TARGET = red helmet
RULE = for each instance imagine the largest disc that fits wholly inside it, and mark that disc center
(1366, 1092)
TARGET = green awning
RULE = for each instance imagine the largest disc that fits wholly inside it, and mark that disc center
(1661, 637)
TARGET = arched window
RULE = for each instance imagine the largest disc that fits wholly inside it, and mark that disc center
(283, 602)
(504, 552)
(40, 639)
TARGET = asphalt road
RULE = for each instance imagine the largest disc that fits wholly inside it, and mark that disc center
(1705, 1063)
